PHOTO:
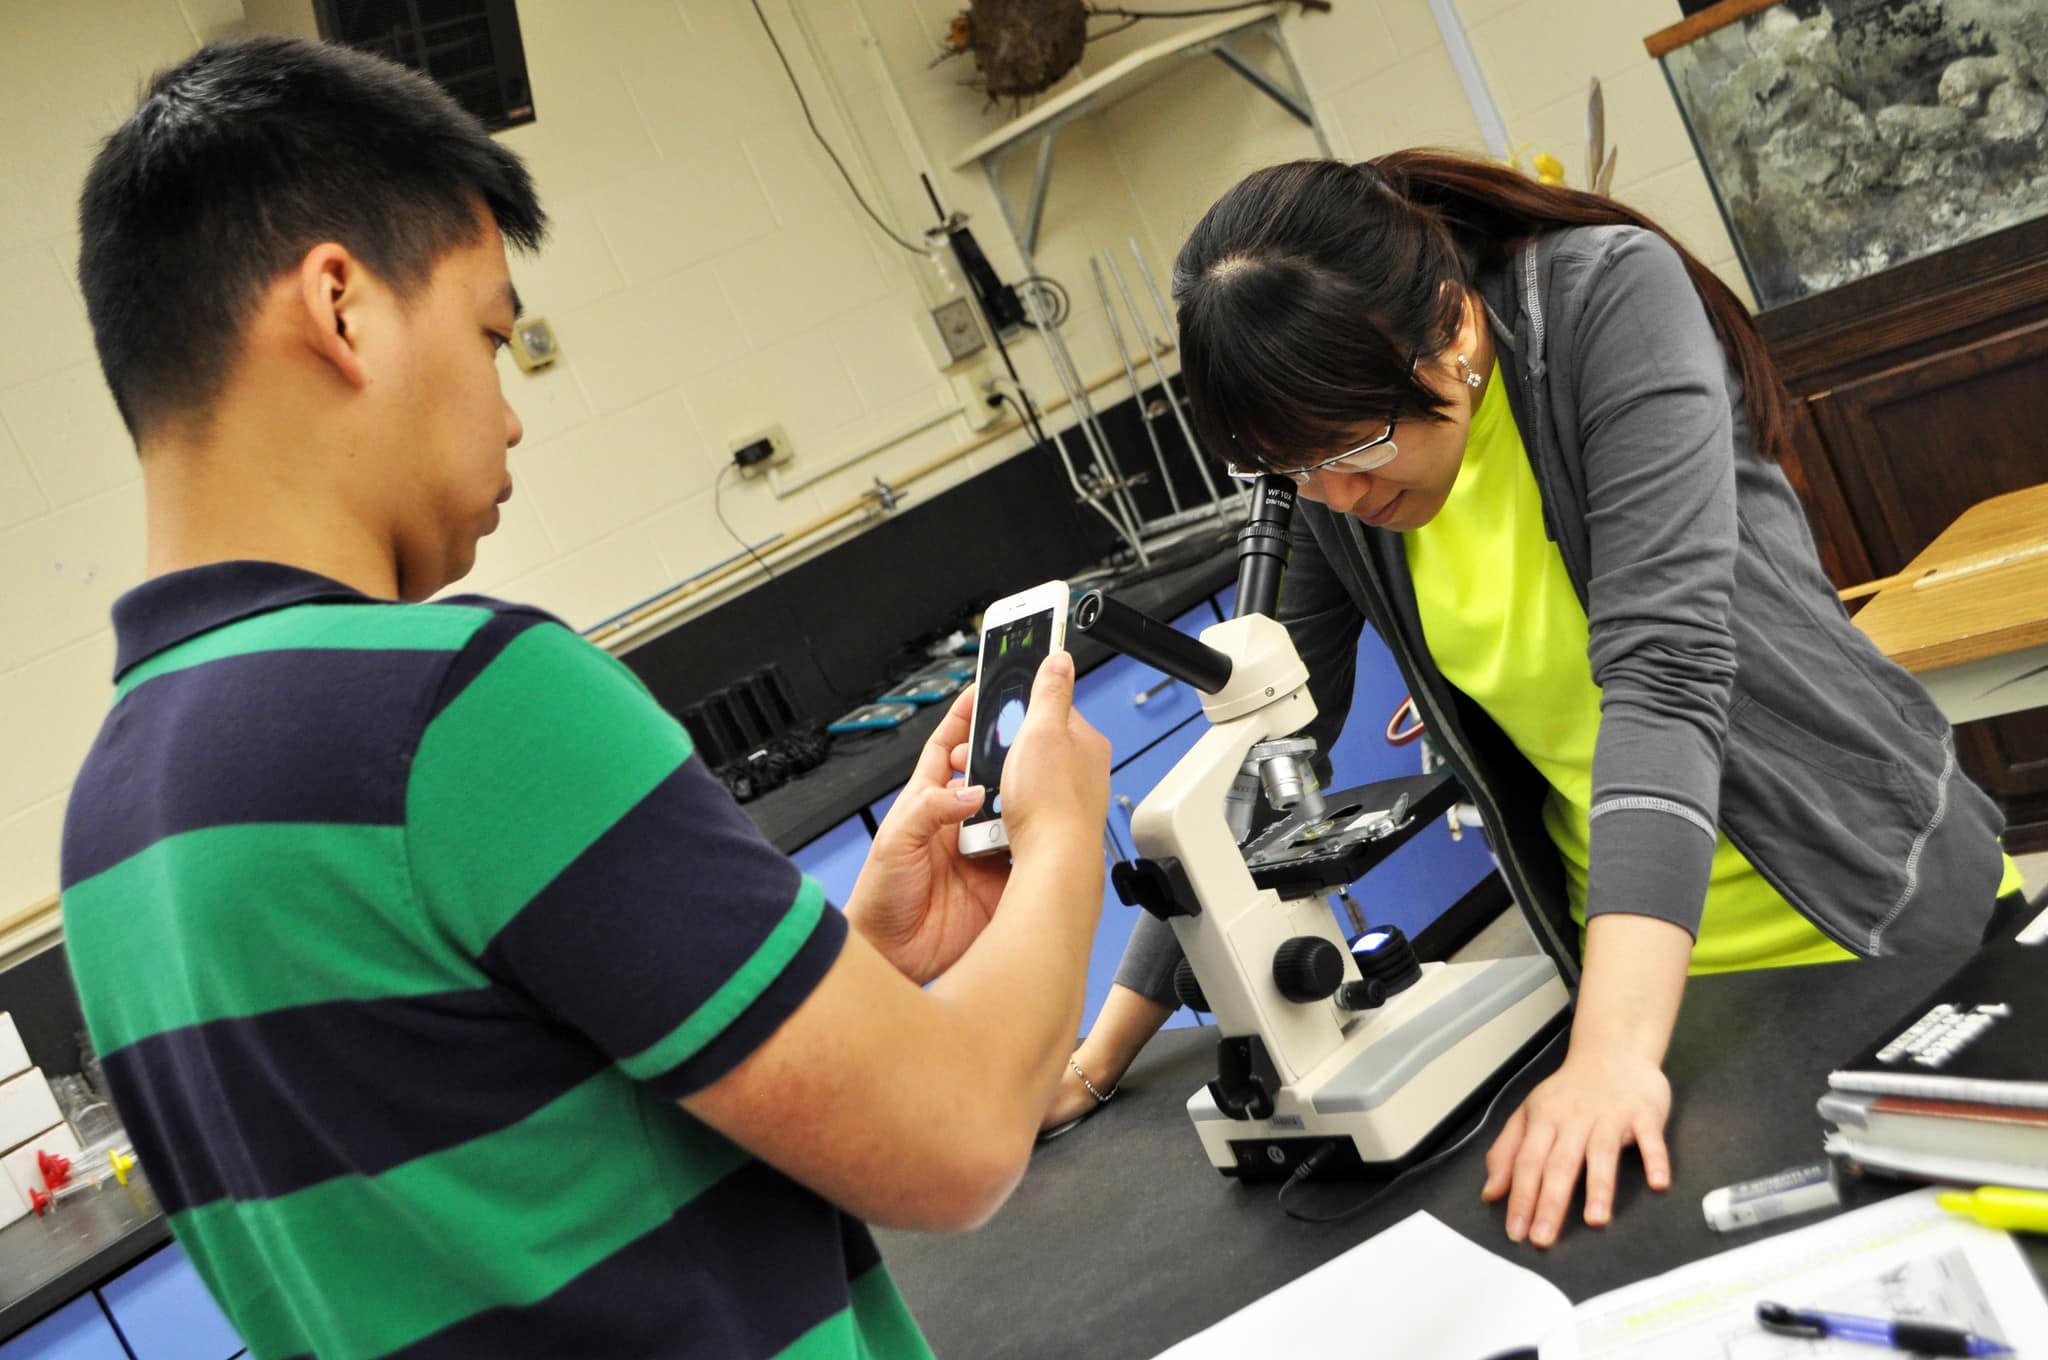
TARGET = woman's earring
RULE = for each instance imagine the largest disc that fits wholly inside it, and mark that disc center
(1471, 379)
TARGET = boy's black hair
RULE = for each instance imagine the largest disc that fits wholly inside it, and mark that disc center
(242, 158)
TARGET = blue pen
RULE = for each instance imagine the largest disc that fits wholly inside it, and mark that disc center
(1922, 1337)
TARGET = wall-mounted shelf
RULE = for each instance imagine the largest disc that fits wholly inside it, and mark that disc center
(1222, 38)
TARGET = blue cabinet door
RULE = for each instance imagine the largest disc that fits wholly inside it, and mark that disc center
(1422, 880)
(1418, 882)
(165, 1313)
(1134, 705)
(835, 859)
(77, 1331)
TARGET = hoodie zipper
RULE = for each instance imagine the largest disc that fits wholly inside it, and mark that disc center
(1535, 306)
(1534, 365)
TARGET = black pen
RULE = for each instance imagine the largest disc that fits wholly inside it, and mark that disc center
(1924, 1337)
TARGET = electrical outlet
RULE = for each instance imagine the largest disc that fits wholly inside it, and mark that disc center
(975, 389)
(755, 453)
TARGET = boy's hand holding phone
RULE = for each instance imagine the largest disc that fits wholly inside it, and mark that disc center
(1056, 780)
(919, 901)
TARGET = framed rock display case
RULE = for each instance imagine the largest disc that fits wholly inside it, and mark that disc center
(1843, 137)
(1882, 166)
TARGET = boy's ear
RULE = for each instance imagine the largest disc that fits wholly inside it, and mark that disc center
(332, 284)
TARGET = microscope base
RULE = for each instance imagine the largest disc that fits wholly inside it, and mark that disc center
(1403, 1073)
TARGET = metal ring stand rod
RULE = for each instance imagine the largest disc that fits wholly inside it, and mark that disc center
(1084, 495)
(1071, 386)
(1166, 319)
(1106, 465)
(1123, 352)
(1144, 329)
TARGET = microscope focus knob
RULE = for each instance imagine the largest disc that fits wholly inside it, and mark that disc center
(1187, 988)
(1307, 968)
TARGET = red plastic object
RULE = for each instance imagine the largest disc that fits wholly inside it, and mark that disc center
(39, 1201)
(56, 1170)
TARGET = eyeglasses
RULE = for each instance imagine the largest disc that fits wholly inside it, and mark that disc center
(1370, 456)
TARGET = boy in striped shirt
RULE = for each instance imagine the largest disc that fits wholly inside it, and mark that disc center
(454, 1009)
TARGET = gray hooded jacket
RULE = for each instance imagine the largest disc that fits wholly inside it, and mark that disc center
(1735, 692)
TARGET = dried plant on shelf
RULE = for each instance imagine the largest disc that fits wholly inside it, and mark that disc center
(1022, 48)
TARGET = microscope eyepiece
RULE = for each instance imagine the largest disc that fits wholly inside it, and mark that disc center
(1263, 546)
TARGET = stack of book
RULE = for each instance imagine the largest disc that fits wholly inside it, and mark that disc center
(1957, 1090)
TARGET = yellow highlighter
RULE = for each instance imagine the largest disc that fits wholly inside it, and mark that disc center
(1996, 1206)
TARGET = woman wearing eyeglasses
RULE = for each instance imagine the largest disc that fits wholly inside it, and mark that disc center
(1535, 440)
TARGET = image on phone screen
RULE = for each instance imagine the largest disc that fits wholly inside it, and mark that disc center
(1010, 657)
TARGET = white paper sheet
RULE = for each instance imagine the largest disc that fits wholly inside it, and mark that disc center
(2035, 931)
(1419, 1290)
(1904, 1258)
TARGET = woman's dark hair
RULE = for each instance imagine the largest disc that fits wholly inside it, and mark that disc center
(242, 158)
(1307, 293)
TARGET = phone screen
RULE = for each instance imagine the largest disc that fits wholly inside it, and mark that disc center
(1010, 657)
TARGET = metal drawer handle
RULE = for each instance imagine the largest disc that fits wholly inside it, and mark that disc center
(1146, 696)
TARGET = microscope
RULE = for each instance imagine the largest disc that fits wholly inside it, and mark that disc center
(1342, 1049)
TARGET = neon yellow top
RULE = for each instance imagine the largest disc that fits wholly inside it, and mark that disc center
(1505, 626)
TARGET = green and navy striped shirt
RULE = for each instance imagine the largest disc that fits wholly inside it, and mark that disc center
(400, 930)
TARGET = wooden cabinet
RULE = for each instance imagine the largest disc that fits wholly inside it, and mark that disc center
(1922, 391)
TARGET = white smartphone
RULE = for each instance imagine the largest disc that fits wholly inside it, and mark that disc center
(1017, 633)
